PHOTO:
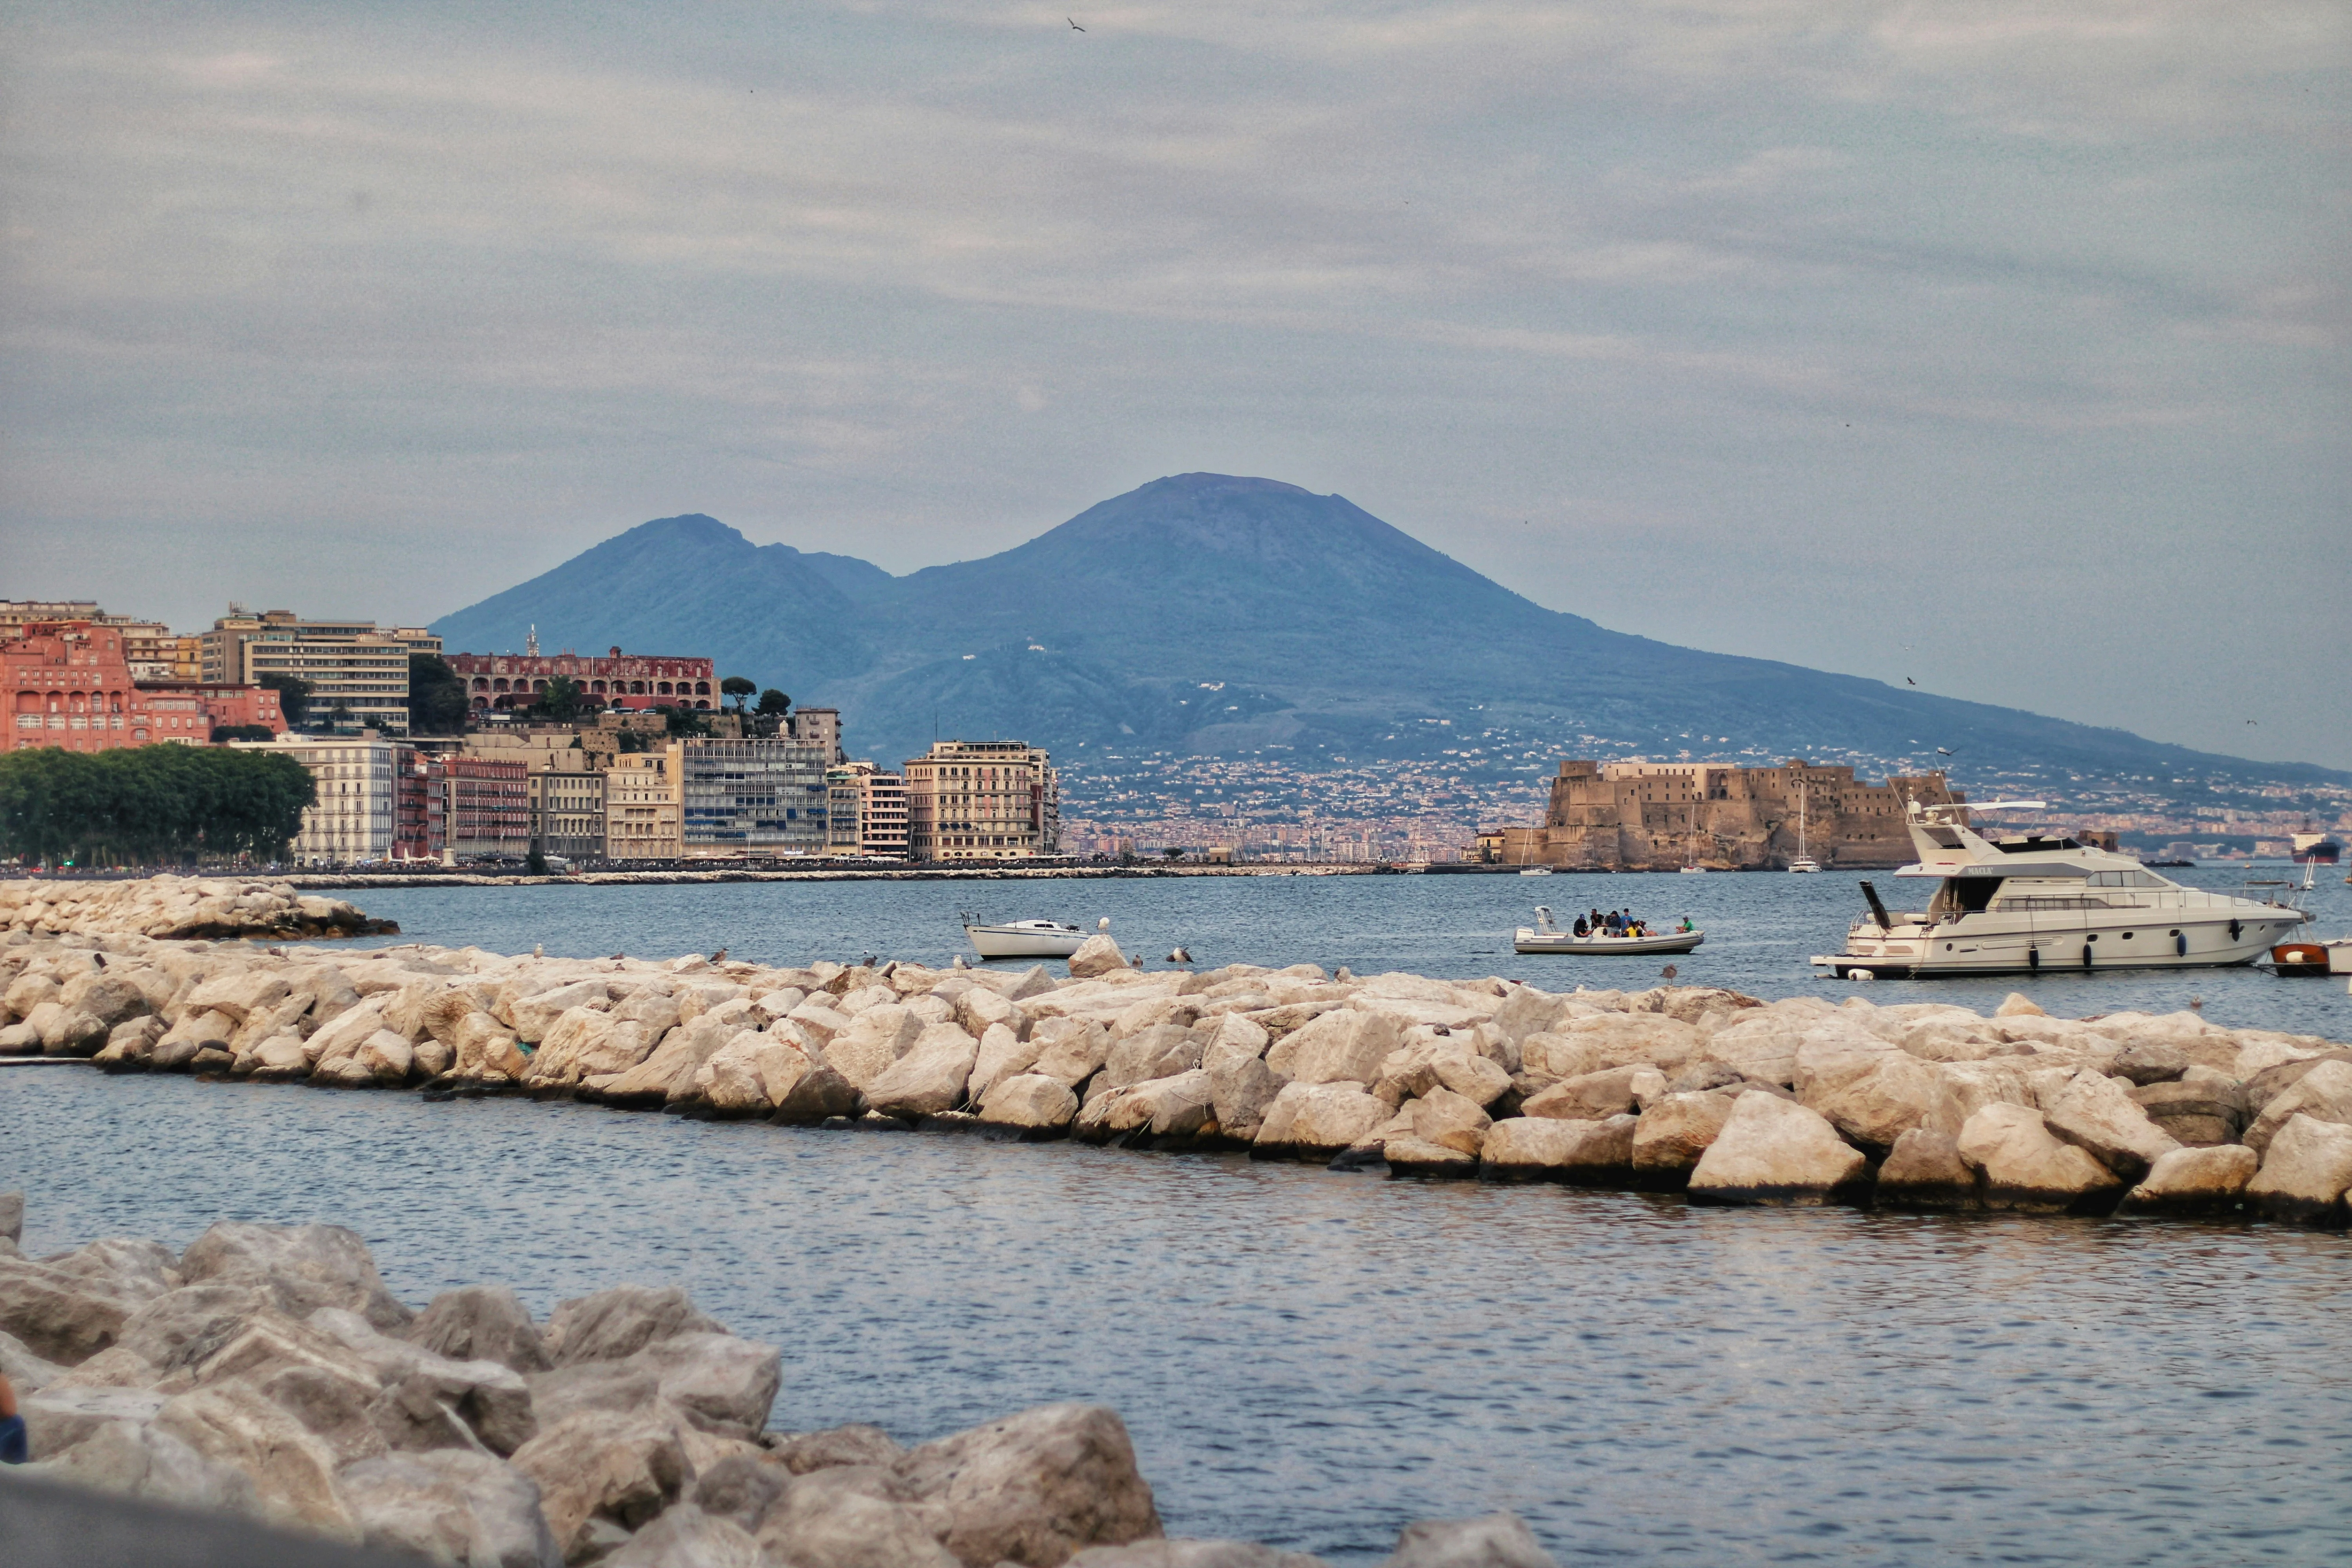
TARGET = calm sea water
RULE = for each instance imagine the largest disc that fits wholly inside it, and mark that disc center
(1761, 929)
(1313, 1359)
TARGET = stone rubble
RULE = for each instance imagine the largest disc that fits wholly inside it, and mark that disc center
(1691, 1089)
(179, 907)
(268, 1372)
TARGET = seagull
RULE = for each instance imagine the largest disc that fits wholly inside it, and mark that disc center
(1944, 750)
(1668, 973)
(1074, 24)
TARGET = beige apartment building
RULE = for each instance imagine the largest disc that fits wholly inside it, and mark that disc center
(870, 811)
(357, 673)
(643, 796)
(982, 800)
(351, 819)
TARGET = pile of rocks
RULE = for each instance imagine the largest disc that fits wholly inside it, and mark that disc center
(268, 1372)
(1689, 1088)
(180, 907)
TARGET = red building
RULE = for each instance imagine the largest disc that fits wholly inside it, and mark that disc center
(496, 682)
(419, 803)
(69, 685)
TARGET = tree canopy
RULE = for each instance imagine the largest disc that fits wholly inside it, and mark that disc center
(564, 700)
(738, 688)
(150, 804)
(774, 701)
(293, 696)
(436, 697)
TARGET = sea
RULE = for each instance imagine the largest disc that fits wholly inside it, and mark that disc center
(1313, 1359)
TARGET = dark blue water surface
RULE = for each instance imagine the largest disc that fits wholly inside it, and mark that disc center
(1761, 928)
(1313, 1359)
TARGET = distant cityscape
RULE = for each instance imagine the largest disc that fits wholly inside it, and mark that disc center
(424, 754)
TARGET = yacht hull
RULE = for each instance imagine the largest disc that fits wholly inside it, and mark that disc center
(2159, 939)
(1009, 942)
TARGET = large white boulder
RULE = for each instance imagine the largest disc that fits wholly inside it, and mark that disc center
(929, 1079)
(1774, 1151)
(1308, 1120)
(2305, 1173)
(1340, 1045)
(1536, 1148)
(2097, 1114)
(2026, 1166)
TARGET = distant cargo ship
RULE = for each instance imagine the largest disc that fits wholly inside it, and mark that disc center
(2316, 850)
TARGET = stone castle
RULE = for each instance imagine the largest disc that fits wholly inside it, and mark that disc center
(1658, 816)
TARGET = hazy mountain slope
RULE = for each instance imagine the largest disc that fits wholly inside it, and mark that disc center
(1211, 614)
(682, 586)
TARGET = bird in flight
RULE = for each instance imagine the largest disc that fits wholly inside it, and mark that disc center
(1908, 681)
(1073, 21)
(1944, 752)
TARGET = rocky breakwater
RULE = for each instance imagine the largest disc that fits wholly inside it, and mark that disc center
(179, 907)
(1729, 1098)
(268, 1372)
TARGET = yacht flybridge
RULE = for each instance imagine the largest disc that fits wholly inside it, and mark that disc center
(2018, 905)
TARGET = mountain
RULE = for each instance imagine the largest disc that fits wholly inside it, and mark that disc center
(665, 586)
(1211, 615)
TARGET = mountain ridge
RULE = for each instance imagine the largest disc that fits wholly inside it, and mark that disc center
(1228, 615)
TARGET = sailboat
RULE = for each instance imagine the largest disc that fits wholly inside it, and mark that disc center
(1691, 867)
(1528, 867)
(1803, 862)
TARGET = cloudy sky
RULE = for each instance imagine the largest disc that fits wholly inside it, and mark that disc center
(1998, 346)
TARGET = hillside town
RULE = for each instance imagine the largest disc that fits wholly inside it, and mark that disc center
(422, 756)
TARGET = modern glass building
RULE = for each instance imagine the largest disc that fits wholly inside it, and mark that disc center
(754, 798)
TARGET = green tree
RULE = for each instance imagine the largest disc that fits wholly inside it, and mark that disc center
(774, 702)
(536, 861)
(436, 697)
(293, 697)
(686, 722)
(738, 688)
(149, 805)
(563, 702)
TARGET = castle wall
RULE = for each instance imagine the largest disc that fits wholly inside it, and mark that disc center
(1657, 817)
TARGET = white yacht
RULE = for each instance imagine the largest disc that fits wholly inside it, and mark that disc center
(2018, 905)
(1025, 938)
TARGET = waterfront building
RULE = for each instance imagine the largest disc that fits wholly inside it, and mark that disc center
(486, 811)
(500, 681)
(567, 805)
(1657, 817)
(357, 780)
(358, 674)
(868, 812)
(982, 800)
(641, 804)
(419, 805)
(753, 797)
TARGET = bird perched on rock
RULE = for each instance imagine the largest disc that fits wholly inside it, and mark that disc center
(1177, 955)
(1668, 973)
(718, 957)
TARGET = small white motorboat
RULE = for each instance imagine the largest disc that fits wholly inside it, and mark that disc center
(1546, 937)
(1535, 870)
(1026, 939)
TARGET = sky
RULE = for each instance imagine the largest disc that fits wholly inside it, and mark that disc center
(1995, 347)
